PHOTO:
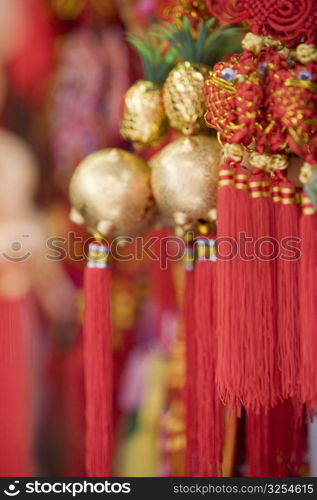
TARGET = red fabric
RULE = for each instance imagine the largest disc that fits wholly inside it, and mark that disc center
(275, 442)
(32, 64)
(74, 401)
(15, 388)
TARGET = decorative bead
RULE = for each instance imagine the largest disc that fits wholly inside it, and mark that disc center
(305, 53)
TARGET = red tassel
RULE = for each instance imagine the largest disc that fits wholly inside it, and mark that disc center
(209, 407)
(191, 420)
(245, 302)
(238, 340)
(308, 302)
(288, 342)
(228, 360)
(260, 359)
(15, 384)
(98, 362)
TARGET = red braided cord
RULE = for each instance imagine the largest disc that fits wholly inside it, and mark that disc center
(292, 104)
(233, 108)
(293, 21)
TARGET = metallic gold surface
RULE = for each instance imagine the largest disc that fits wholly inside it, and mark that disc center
(184, 98)
(184, 179)
(144, 121)
(110, 192)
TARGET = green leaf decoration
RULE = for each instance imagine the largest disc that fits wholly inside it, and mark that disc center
(206, 46)
(157, 61)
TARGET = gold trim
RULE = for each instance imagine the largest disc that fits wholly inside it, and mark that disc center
(225, 172)
(306, 84)
(226, 182)
(223, 84)
(287, 190)
(309, 211)
(242, 176)
(287, 201)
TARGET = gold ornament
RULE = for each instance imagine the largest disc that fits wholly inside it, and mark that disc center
(183, 90)
(253, 43)
(306, 172)
(184, 180)
(256, 43)
(110, 192)
(234, 151)
(184, 98)
(305, 53)
(268, 163)
(144, 121)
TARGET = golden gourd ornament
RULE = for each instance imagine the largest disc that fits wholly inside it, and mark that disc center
(110, 192)
(184, 180)
(144, 121)
(183, 91)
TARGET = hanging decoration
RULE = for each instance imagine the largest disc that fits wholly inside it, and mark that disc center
(243, 357)
(183, 91)
(98, 361)
(144, 121)
(265, 94)
(127, 209)
(248, 225)
(210, 433)
(101, 195)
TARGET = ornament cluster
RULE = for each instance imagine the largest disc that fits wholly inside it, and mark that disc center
(183, 175)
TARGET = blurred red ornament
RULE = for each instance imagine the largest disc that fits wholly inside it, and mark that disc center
(173, 10)
(92, 76)
(32, 61)
(292, 98)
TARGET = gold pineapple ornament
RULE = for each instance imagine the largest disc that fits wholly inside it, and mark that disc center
(183, 91)
(144, 121)
(184, 97)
